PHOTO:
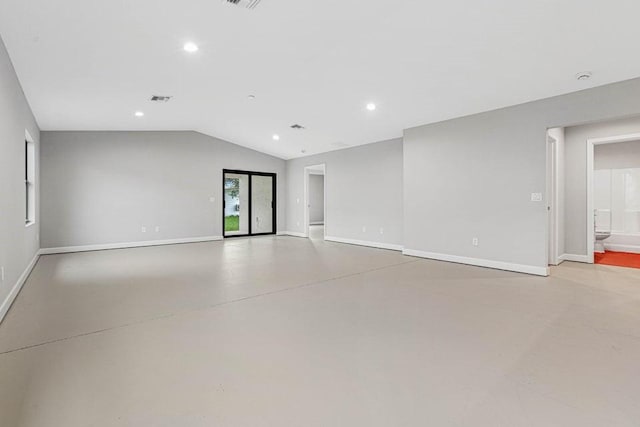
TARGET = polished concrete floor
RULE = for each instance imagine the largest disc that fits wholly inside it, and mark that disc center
(282, 331)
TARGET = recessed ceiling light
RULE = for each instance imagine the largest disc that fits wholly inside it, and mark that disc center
(585, 75)
(191, 47)
(139, 114)
(371, 106)
(276, 137)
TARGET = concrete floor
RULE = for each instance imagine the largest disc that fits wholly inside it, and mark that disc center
(282, 331)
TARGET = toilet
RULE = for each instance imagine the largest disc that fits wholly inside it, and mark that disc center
(601, 236)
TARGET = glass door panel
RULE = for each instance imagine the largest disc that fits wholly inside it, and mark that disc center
(262, 204)
(236, 204)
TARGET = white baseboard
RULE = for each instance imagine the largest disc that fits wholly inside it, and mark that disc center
(498, 265)
(292, 233)
(88, 248)
(575, 258)
(378, 245)
(622, 248)
(6, 304)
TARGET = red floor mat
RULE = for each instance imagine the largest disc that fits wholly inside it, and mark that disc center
(620, 259)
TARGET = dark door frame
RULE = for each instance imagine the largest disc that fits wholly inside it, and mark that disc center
(274, 204)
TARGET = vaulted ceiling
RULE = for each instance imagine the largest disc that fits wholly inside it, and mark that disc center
(91, 64)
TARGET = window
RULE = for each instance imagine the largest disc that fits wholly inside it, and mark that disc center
(29, 182)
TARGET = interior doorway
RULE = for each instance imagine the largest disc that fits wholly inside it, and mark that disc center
(315, 206)
(554, 140)
(613, 200)
(249, 203)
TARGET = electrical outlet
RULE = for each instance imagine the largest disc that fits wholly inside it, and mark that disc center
(536, 197)
(1, 274)
(298, 223)
(475, 241)
(364, 229)
(143, 229)
(212, 199)
(381, 230)
(298, 200)
(157, 228)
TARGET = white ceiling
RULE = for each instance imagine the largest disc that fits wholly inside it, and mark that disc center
(90, 64)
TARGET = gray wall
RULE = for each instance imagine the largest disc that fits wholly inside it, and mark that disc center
(363, 189)
(576, 169)
(18, 244)
(316, 198)
(473, 176)
(102, 187)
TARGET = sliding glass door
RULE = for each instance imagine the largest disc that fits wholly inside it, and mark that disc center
(249, 207)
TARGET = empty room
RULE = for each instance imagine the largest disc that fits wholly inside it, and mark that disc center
(318, 213)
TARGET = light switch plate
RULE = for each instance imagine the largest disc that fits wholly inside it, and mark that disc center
(536, 197)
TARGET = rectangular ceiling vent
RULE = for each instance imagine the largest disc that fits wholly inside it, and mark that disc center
(249, 4)
(158, 98)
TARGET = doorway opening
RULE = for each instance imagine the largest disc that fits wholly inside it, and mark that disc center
(555, 138)
(249, 203)
(613, 200)
(555, 195)
(315, 206)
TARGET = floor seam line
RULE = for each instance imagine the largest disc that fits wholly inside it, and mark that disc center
(211, 307)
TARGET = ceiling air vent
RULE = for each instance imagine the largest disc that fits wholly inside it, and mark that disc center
(249, 4)
(157, 98)
(297, 127)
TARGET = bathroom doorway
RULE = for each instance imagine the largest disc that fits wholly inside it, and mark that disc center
(613, 200)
